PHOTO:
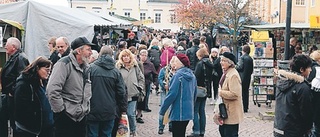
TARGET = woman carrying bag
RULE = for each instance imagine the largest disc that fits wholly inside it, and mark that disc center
(231, 95)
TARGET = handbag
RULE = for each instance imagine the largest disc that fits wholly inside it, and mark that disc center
(223, 110)
(202, 92)
(123, 128)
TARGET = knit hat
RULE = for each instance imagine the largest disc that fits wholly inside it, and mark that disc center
(184, 59)
(230, 56)
(215, 50)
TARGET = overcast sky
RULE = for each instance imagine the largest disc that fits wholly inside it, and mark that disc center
(54, 2)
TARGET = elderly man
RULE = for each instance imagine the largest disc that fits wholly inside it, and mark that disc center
(11, 70)
(63, 49)
(69, 90)
(293, 43)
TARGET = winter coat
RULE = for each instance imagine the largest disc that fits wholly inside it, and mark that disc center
(245, 69)
(69, 88)
(32, 109)
(132, 42)
(231, 94)
(154, 55)
(191, 53)
(315, 80)
(204, 78)
(150, 73)
(217, 67)
(54, 57)
(108, 90)
(181, 96)
(294, 108)
(11, 71)
(133, 78)
(166, 56)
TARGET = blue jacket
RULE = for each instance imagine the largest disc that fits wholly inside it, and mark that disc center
(181, 96)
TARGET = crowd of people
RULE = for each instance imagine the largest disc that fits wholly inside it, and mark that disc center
(79, 92)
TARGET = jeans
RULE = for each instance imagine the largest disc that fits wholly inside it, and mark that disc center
(146, 98)
(161, 125)
(229, 130)
(100, 128)
(131, 112)
(163, 95)
(179, 128)
(66, 127)
(199, 120)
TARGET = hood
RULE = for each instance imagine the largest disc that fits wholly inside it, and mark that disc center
(186, 73)
(170, 49)
(155, 47)
(287, 79)
(105, 62)
(207, 61)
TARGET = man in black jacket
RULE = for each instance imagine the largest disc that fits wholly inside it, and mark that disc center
(11, 70)
(245, 69)
(109, 97)
(63, 49)
(191, 53)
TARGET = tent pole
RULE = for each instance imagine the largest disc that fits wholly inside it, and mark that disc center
(101, 38)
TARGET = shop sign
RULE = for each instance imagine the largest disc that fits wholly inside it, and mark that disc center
(315, 21)
(259, 36)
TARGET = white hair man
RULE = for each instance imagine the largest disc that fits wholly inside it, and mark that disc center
(11, 70)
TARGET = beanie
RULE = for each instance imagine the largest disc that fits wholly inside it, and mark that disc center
(230, 56)
(184, 59)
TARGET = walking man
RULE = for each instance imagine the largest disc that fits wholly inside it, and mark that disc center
(69, 90)
(108, 94)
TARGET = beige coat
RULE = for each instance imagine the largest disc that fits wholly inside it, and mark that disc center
(231, 94)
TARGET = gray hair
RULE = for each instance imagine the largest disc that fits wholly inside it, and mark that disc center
(106, 50)
(14, 42)
(65, 40)
(232, 65)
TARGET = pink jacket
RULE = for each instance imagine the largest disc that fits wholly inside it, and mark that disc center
(163, 58)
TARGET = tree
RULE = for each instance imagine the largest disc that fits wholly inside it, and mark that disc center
(233, 14)
(194, 14)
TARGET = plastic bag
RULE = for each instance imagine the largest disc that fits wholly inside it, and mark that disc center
(123, 128)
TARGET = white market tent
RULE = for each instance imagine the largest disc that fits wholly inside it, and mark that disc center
(43, 21)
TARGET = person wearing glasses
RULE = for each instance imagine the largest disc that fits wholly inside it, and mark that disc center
(33, 114)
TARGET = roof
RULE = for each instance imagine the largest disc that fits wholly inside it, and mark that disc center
(279, 25)
(124, 18)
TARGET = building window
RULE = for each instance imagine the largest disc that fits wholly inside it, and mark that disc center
(313, 3)
(300, 2)
(80, 7)
(111, 13)
(173, 18)
(127, 14)
(158, 18)
(142, 16)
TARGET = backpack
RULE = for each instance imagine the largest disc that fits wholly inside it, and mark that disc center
(154, 56)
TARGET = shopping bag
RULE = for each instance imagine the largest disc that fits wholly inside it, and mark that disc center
(123, 128)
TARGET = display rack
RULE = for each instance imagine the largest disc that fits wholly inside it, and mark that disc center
(263, 77)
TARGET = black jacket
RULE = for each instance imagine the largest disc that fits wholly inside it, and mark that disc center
(154, 55)
(294, 108)
(204, 78)
(108, 90)
(245, 69)
(316, 94)
(11, 70)
(191, 53)
(217, 67)
(32, 109)
(132, 42)
(54, 57)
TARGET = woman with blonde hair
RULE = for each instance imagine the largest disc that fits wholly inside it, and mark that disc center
(203, 72)
(134, 80)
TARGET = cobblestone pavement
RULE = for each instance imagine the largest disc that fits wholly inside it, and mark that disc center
(252, 126)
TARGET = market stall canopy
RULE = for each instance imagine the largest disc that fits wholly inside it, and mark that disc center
(279, 26)
(13, 23)
(118, 21)
(43, 21)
